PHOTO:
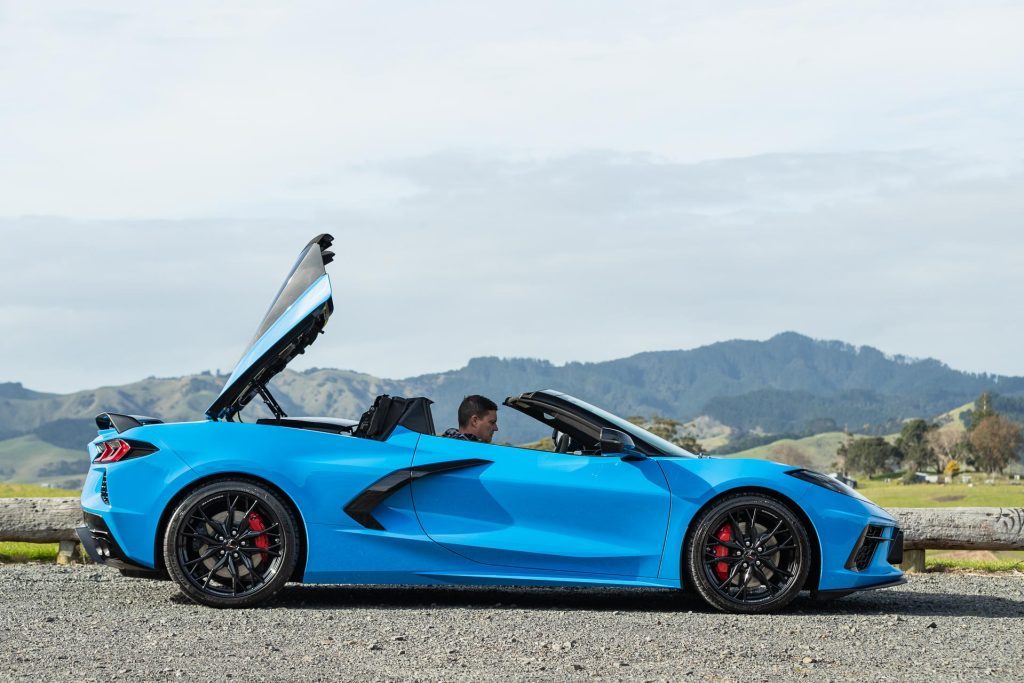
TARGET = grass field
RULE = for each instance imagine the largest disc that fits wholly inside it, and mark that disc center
(28, 552)
(1003, 562)
(33, 491)
(943, 495)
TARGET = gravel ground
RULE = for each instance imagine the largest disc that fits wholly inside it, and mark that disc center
(89, 623)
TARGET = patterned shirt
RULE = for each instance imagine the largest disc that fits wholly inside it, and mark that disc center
(454, 433)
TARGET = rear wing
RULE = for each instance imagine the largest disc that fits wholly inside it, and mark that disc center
(123, 423)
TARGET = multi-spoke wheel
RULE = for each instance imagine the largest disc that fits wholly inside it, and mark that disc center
(231, 543)
(748, 553)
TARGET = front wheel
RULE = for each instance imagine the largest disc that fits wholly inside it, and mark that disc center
(231, 543)
(748, 553)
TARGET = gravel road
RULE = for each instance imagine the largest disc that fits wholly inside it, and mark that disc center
(88, 623)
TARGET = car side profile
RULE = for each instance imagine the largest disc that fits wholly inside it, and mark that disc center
(232, 510)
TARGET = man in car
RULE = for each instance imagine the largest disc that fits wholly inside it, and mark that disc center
(478, 420)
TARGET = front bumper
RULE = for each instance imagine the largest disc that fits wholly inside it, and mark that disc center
(859, 542)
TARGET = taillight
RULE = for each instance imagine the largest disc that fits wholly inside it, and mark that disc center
(116, 450)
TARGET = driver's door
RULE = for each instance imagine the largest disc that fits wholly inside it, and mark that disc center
(541, 510)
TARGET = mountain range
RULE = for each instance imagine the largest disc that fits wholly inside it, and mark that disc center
(787, 384)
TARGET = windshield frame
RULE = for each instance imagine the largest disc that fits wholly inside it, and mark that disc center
(661, 444)
(583, 422)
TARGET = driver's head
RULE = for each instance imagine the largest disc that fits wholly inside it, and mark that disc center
(478, 416)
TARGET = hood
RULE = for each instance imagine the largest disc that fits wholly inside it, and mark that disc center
(296, 316)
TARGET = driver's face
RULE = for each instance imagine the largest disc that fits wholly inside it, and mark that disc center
(484, 427)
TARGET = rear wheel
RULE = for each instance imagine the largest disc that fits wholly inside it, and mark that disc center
(748, 553)
(231, 543)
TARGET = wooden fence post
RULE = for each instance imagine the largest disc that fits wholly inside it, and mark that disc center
(68, 551)
(913, 561)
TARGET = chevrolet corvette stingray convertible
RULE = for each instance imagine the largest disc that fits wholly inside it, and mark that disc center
(232, 510)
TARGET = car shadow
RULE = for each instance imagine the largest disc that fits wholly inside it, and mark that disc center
(890, 602)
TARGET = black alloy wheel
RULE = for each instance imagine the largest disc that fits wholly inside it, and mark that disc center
(231, 543)
(748, 553)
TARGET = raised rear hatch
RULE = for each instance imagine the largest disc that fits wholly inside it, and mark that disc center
(296, 316)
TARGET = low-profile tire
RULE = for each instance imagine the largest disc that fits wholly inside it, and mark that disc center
(747, 553)
(236, 563)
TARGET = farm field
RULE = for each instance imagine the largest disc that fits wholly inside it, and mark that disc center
(944, 495)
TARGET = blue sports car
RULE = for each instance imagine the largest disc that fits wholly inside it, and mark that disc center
(233, 510)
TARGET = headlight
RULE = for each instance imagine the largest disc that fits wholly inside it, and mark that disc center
(827, 482)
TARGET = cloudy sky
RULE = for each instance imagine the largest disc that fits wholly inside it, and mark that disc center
(569, 181)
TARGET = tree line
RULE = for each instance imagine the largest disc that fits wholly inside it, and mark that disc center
(991, 443)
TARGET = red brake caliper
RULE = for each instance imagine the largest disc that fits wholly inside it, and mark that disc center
(261, 541)
(721, 568)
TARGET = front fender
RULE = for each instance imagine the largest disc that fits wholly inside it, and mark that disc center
(696, 482)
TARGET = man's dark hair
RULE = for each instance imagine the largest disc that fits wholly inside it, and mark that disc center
(474, 405)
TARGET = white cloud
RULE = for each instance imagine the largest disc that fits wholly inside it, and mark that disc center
(195, 110)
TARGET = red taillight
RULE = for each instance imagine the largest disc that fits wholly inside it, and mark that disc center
(118, 449)
(106, 448)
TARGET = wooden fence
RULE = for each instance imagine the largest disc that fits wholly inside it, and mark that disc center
(53, 520)
(42, 520)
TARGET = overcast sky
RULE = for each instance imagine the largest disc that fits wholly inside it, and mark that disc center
(569, 181)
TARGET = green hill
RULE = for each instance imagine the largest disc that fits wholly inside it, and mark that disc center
(819, 450)
(29, 460)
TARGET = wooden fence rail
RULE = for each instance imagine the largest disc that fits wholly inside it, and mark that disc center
(957, 529)
(53, 520)
(42, 520)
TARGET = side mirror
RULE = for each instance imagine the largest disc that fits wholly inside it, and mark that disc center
(615, 442)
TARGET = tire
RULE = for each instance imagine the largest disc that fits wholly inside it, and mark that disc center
(214, 567)
(748, 554)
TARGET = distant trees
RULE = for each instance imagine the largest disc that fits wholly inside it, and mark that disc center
(915, 446)
(670, 430)
(869, 455)
(949, 446)
(982, 409)
(995, 443)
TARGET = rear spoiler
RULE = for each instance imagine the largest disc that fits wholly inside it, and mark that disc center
(123, 423)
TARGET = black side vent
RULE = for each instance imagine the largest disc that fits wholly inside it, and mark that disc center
(104, 495)
(866, 546)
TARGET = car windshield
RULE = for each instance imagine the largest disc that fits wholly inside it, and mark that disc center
(661, 444)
